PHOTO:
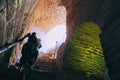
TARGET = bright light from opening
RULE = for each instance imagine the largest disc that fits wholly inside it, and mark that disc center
(39, 33)
(53, 39)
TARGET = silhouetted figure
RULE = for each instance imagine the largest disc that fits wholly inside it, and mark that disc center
(30, 51)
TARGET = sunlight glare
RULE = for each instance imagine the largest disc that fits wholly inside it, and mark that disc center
(53, 39)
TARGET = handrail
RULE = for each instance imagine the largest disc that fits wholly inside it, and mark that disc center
(8, 46)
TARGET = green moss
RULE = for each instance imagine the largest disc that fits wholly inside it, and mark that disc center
(84, 55)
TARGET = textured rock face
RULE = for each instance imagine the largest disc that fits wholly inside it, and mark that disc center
(79, 11)
(83, 55)
(106, 13)
(47, 14)
(13, 16)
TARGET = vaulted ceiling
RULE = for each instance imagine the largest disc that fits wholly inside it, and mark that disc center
(47, 14)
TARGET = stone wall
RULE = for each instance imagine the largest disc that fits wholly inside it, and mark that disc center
(78, 11)
(108, 18)
(13, 17)
(106, 13)
(110, 40)
(83, 57)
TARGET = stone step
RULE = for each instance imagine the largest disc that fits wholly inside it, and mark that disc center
(39, 75)
(44, 64)
(44, 69)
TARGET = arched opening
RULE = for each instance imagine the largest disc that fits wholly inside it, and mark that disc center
(53, 40)
(48, 20)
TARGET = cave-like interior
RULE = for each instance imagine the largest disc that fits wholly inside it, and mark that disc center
(80, 39)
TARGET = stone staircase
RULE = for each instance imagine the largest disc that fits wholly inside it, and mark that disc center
(44, 69)
(44, 64)
(37, 75)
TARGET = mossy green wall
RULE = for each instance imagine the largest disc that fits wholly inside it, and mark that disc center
(83, 57)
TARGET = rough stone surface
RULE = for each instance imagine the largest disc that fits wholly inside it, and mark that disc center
(83, 56)
(47, 14)
(106, 13)
(12, 18)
